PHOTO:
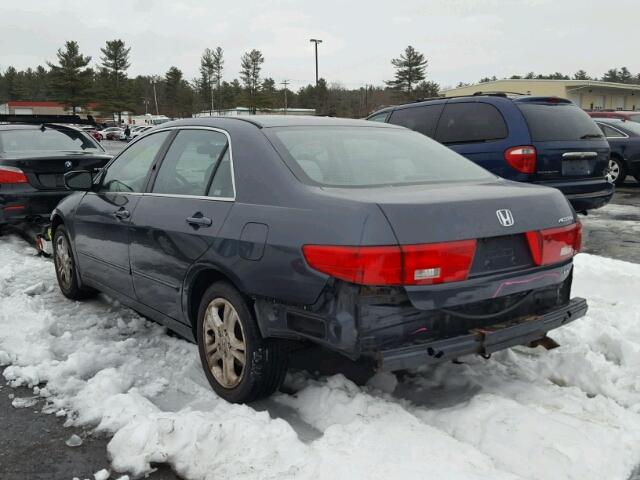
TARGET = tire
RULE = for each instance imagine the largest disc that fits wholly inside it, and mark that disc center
(617, 171)
(65, 267)
(265, 360)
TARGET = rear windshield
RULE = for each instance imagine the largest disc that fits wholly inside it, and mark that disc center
(562, 121)
(634, 118)
(370, 156)
(49, 139)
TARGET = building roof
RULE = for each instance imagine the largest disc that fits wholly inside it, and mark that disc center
(567, 83)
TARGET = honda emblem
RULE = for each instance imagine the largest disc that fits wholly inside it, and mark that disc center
(505, 217)
(68, 164)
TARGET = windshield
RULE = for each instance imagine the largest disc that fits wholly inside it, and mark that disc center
(370, 156)
(634, 118)
(560, 121)
(630, 126)
(49, 139)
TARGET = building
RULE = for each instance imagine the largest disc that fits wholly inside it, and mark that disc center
(16, 107)
(238, 111)
(147, 119)
(587, 94)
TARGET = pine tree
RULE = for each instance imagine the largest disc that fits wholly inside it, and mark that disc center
(251, 64)
(410, 69)
(114, 63)
(211, 67)
(625, 75)
(612, 75)
(581, 75)
(71, 79)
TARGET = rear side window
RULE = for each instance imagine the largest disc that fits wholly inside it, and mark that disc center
(610, 132)
(190, 162)
(557, 122)
(422, 119)
(470, 122)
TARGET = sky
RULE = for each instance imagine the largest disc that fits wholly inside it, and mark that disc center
(463, 40)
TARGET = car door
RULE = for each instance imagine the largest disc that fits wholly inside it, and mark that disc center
(101, 221)
(176, 222)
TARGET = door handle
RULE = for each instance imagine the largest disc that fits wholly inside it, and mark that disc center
(198, 220)
(122, 214)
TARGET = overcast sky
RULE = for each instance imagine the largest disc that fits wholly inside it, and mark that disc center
(463, 40)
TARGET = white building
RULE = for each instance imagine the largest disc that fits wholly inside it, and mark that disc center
(238, 111)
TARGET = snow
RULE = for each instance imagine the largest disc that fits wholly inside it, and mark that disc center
(569, 413)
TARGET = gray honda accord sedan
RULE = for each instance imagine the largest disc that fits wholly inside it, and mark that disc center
(255, 235)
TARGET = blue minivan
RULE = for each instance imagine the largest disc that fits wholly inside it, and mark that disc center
(543, 140)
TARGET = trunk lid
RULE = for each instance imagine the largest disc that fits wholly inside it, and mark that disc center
(46, 171)
(459, 211)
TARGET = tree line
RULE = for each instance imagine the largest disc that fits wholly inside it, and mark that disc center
(76, 81)
(617, 75)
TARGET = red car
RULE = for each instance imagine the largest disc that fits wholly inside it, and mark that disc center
(629, 115)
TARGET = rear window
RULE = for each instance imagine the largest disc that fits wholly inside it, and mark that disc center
(556, 122)
(49, 139)
(367, 157)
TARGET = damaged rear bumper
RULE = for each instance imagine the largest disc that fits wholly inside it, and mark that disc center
(482, 341)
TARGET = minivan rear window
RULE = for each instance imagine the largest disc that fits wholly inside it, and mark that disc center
(370, 156)
(558, 122)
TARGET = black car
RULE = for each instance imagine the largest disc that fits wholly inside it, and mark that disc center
(544, 140)
(624, 140)
(33, 161)
(256, 235)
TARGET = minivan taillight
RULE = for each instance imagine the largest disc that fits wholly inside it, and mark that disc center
(424, 264)
(522, 158)
(555, 245)
(12, 175)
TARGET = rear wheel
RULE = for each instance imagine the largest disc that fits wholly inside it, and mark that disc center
(617, 171)
(66, 267)
(240, 365)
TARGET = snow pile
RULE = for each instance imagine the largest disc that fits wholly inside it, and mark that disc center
(571, 413)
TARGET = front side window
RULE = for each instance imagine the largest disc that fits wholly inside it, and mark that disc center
(470, 122)
(190, 162)
(422, 119)
(48, 139)
(370, 156)
(128, 172)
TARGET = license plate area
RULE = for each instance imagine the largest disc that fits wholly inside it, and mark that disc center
(578, 167)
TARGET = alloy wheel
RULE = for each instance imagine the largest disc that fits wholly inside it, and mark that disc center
(224, 343)
(63, 261)
(614, 171)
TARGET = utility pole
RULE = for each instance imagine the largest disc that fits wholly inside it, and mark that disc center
(211, 111)
(316, 42)
(285, 83)
(155, 97)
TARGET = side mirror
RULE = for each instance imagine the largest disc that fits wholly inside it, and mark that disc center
(79, 180)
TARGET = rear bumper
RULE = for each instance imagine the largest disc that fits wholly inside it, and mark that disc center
(28, 206)
(584, 194)
(482, 341)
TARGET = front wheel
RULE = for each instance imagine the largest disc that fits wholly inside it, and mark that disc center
(66, 267)
(617, 171)
(240, 365)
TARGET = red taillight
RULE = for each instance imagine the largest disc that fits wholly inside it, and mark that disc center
(12, 175)
(522, 158)
(424, 264)
(555, 245)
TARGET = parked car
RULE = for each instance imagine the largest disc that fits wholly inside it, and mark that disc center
(629, 115)
(624, 139)
(33, 161)
(140, 131)
(93, 131)
(253, 235)
(543, 140)
(110, 133)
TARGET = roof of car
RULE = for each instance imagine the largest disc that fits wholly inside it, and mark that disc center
(268, 121)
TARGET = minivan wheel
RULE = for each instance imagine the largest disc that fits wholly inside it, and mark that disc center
(66, 268)
(240, 365)
(617, 171)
